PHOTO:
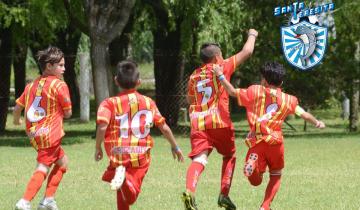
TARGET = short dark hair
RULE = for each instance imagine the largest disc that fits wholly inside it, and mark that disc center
(50, 55)
(208, 51)
(127, 74)
(273, 72)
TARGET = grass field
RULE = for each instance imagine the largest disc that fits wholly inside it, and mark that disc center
(322, 171)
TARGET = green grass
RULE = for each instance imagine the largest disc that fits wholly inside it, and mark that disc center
(322, 171)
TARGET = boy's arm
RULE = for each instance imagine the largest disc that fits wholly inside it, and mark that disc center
(309, 117)
(248, 48)
(226, 84)
(175, 149)
(100, 135)
(17, 114)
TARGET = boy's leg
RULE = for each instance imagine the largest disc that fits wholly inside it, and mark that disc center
(132, 184)
(200, 150)
(255, 164)
(56, 175)
(121, 201)
(36, 181)
(224, 141)
(271, 189)
(275, 158)
(195, 170)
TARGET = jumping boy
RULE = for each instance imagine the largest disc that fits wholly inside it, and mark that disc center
(266, 107)
(211, 126)
(46, 101)
(123, 124)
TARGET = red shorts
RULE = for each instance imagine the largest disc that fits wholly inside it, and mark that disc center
(223, 139)
(133, 175)
(50, 155)
(268, 155)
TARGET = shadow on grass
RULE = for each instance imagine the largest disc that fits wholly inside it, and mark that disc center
(18, 138)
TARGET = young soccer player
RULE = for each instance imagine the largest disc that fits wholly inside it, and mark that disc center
(123, 124)
(211, 126)
(46, 102)
(266, 107)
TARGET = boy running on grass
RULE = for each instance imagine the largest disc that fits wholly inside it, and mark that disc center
(46, 101)
(266, 107)
(211, 126)
(123, 124)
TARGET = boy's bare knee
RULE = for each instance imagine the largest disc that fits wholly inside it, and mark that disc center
(63, 162)
(201, 158)
(43, 168)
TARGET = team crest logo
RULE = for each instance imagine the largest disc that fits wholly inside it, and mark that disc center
(304, 38)
(304, 44)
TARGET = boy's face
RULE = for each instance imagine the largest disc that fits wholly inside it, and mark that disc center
(56, 69)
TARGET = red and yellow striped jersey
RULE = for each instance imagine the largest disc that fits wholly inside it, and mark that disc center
(129, 116)
(45, 100)
(266, 110)
(210, 107)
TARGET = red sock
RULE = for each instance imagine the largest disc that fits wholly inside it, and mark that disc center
(54, 180)
(121, 201)
(271, 190)
(193, 173)
(227, 172)
(34, 185)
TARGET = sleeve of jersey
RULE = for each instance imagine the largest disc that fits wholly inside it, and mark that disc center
(229, 66)
(21, 100)
(103, 113)
(190, 88)
(64, 96)
(158, 118)
(294, 107)
(299, 110)
(242, 96)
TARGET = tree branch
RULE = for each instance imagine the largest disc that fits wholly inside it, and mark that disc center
(74, 20)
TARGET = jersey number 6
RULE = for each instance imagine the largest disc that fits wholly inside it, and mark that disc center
(35, 112)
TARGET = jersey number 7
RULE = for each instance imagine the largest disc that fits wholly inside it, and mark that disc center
(206, 91)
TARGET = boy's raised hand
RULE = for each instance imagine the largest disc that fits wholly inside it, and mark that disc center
(253, 32)
(177, 153)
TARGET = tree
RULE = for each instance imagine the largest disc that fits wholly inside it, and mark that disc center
(345, 57)
(10, 15)
(173, 36)
(105, 21)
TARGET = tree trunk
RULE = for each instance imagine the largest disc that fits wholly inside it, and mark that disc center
(19, 63)
(354, 105)
(68, 41)
(169, 69)
(100, 64)
(84, 87)
(5, 72)
(119, 50)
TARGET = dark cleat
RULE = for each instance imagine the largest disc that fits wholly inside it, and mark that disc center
(224, 201)
(189, 201)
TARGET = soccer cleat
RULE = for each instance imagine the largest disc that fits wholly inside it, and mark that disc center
(118, 179)
(250, 164)
(224, 201)
(47, 204)
(23, 205)
(189, 201)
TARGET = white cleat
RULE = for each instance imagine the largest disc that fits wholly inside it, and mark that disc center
(118, 179)
(23, 205)
(47, 204)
